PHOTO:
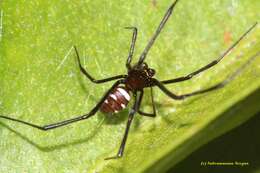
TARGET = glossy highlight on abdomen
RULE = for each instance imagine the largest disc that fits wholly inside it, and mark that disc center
(116, 101)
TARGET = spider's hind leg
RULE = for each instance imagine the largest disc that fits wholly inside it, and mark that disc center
(132, 112)
(69, 121)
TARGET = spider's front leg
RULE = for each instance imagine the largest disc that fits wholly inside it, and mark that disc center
(157, 32)
(212, 88)
(211, 64)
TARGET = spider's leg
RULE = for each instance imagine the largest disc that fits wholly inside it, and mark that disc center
(132, 112)
(154, 109)
(157, 32)
(72, 120)
(90, 77)
(206, 67)
(214, 87)
(132, 47)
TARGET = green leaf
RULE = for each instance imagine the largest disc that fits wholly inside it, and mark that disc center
(225, 149)
(41, 83)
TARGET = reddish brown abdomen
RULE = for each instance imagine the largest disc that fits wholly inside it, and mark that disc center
(116, 101)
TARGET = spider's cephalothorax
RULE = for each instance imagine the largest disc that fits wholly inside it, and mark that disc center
(138, 78)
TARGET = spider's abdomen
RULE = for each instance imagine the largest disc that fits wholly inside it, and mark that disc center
(116, 101)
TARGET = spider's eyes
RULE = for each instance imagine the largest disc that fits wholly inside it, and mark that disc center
(151, 72)
(144, 65)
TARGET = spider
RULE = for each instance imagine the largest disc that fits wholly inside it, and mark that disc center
(139, 76)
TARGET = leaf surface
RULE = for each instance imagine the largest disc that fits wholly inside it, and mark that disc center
(41, 83)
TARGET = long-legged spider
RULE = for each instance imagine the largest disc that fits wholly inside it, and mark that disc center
(138, 77)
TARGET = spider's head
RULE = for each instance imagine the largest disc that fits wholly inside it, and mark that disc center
(145, 69)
